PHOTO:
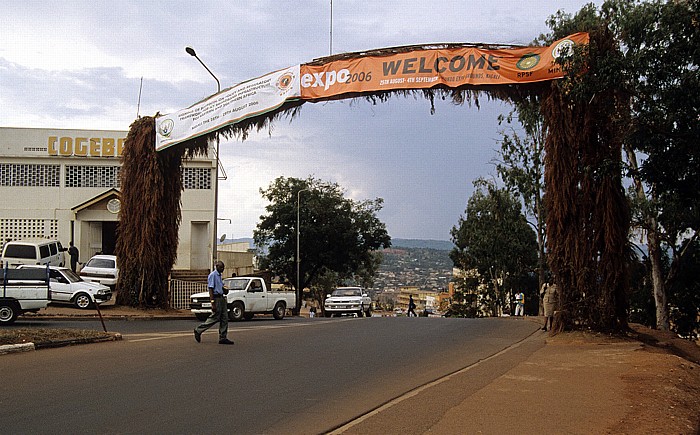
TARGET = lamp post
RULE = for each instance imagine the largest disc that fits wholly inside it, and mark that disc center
(298, 303)
(214, 253)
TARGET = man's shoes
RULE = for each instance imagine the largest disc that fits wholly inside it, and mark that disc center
(225, 341)
(197, 336)
(544, 329)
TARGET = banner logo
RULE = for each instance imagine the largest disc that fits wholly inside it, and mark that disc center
(528, 61)
(165, 128)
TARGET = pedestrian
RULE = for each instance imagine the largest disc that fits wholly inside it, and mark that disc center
(520, 304)
(219, 306)
(411, 307)
(74, 254)
(550, 298)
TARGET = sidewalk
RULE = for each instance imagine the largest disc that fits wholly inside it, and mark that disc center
(577, 383)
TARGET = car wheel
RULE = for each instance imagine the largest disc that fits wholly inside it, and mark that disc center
(82, 301)
(8, 313)
(368, 313)
(327, 314)
(236, 312)
(201, 316)
(248, 315)
(359, 313)
(278, 312)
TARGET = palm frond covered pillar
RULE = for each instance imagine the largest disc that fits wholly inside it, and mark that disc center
(588, 214)
(147, 237)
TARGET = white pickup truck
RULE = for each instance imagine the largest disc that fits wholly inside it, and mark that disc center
(247, 296)
(23, 290)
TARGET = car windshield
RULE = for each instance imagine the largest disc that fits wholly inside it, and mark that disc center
(71, 276)
(236, 283)
(100, 263)
(347, 292)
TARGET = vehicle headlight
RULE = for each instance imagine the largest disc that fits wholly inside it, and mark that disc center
(100, 292)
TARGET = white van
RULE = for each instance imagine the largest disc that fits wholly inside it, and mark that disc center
(33, 251)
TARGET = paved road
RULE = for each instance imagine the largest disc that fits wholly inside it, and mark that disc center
(290, 376)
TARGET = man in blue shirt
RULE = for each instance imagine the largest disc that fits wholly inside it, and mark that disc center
(219, 307)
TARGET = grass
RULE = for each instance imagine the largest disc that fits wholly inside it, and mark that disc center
(49, 335)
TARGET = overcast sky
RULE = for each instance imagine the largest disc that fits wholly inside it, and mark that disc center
(79, 65)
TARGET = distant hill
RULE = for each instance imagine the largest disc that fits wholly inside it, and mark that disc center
(442, 245)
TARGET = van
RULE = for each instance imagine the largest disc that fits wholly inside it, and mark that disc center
(33, 251)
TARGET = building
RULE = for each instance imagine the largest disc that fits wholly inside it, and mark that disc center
(64, 184)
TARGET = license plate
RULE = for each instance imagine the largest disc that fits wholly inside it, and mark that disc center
(206, 305)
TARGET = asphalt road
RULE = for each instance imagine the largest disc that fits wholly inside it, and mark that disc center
(290, 376)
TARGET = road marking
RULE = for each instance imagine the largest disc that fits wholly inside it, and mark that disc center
(420, 389)
(151, 336)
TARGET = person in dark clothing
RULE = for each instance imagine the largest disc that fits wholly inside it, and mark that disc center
(74, 254)
(411, 307)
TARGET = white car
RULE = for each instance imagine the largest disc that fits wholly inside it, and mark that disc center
(68, 288)
(102, 269)
(348, 300)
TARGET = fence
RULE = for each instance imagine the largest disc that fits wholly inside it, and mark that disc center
(180, 292)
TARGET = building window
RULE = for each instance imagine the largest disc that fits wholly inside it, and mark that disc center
(196, 178)
(92, 176)
(20, 229)
(26, 175)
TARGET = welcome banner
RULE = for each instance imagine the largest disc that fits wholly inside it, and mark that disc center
(421, 68)
(425, 68)
(240, 102)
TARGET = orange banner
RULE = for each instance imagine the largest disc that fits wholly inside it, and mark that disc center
(425, 68)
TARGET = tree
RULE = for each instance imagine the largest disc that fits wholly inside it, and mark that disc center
(336, 236)
(521, 168)
(660, 41)
(494, 239)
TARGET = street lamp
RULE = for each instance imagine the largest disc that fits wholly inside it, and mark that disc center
(192, 53)
(298, 303)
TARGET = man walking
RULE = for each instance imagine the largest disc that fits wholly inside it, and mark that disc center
(219, 307)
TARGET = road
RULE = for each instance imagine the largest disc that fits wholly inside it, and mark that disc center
(290, 376)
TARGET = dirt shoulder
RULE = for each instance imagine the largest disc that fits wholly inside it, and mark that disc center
(577, 383)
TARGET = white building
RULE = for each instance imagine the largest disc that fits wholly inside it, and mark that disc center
(64, 184)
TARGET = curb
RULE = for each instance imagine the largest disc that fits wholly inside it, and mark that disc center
(28, 347)
(14, 348)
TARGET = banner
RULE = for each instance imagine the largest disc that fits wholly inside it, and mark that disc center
(425, 68)
(232, 105)
(410, 69)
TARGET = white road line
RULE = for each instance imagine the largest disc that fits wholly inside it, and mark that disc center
(151, 336)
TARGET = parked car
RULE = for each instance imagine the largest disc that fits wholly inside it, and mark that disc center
(101, 268)
(33, 251)
(68, 288)
(348, 300)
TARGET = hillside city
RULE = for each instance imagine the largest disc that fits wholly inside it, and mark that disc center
(430, 270)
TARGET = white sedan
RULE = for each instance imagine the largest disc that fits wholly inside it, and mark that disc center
(68, 288)
(348, 300)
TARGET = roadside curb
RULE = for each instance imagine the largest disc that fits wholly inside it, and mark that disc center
(14, 348)
(28, 347)
(60, 343)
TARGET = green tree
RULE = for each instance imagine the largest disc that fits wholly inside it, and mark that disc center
(337, 236)
(661, 42)
(521, 167)
(494, 239)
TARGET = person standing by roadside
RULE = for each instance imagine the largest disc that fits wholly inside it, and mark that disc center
(74, 254)
(550, 298)
(520, 304)
(219, 307)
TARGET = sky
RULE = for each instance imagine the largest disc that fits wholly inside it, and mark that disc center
(99, 64)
